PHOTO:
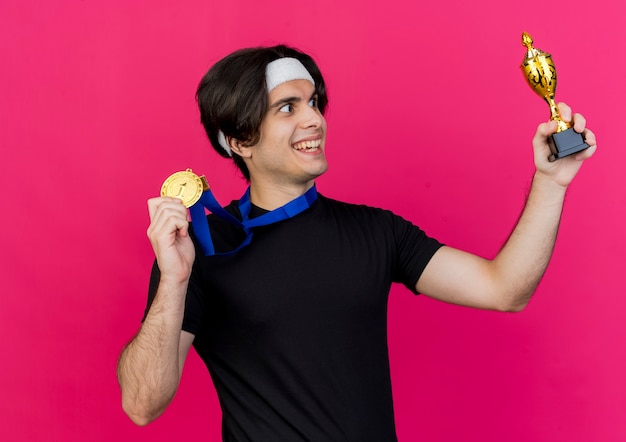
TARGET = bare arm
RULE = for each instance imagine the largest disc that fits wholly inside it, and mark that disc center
(508, 281)
(150, 366)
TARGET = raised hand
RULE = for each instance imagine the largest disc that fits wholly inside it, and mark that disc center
(169, 235)
(562, 171)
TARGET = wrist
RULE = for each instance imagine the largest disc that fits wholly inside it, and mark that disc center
(173, 272)
(174, 283)
(169, 299)
(547, 189)
(548, 181)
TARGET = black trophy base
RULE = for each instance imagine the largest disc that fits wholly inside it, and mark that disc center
(566, 143)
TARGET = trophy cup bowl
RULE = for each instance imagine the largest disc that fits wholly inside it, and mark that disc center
(540, 73)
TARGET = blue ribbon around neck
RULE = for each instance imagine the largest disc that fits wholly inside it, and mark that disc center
(208, 201)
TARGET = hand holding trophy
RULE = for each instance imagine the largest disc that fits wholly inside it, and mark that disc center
(540, 74)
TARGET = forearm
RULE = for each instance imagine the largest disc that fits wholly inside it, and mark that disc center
(508, 281)
(524, 258)
(149, 367)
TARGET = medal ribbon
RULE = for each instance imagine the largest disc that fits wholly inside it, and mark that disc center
(208, 201)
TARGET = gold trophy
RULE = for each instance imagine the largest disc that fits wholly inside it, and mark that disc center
(540, 74)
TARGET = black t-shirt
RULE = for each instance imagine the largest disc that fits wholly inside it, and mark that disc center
(293, 328)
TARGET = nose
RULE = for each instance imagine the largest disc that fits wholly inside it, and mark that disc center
(312, 117)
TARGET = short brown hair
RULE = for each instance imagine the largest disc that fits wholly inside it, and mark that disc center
(233, 95)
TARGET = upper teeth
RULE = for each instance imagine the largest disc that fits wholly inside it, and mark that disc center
(313, 144)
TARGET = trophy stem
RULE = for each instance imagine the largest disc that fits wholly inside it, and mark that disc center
(555, 115)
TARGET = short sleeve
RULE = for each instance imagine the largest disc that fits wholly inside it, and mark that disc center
(414, 251)
(194, 307)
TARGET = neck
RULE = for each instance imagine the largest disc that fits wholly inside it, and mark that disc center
(270, 197)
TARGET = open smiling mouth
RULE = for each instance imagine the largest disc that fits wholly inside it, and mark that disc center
(308, 146)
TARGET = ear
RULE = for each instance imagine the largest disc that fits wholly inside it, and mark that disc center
(238, 147)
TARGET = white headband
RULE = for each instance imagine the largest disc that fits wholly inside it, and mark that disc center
(277, 72)
(283, 70)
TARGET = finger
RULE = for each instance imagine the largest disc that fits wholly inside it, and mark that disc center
(579, 123)
(590, 137)
(167, 229)
(168, 217)
(587, 153)
(565, 111)
(166, 213)
(155, 203)
(544, 130)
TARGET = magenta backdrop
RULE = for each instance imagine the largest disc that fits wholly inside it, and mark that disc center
(429, 116)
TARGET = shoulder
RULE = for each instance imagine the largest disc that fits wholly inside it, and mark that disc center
(342, 205)
(377, 223)
(361, 211)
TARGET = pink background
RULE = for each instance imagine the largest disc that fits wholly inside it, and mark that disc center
(429, 116)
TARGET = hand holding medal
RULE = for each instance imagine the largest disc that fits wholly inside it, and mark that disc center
(196, 195)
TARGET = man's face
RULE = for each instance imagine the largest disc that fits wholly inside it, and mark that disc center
(293, 134)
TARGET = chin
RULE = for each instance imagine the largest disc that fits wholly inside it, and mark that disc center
(320, 171)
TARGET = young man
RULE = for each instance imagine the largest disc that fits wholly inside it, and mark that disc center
(292, 326)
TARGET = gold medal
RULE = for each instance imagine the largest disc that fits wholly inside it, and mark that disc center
(185, 185)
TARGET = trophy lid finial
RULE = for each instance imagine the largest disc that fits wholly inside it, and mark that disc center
(527, 40)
